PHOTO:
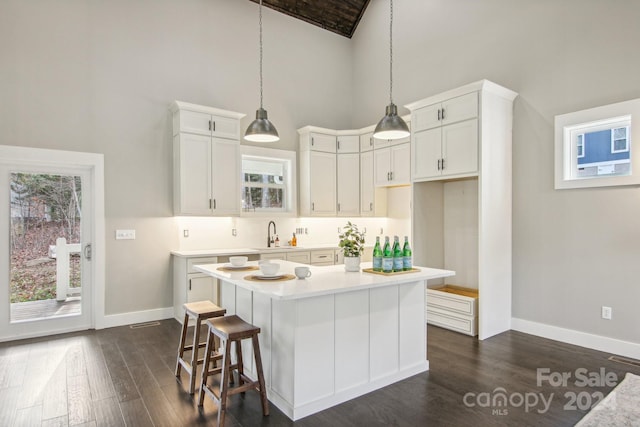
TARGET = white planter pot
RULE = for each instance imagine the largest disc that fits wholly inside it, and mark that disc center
(351, 263)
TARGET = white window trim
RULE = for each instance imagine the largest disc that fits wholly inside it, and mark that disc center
(568, 125)
(613, 140)
(291, 192)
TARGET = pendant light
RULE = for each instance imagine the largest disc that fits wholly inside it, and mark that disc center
(391, 126)
(261, 129)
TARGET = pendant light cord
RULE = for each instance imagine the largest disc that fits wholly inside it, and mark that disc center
(260, 20)
(390, 53)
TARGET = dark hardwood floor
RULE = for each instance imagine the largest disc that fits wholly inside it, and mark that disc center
(124, 377)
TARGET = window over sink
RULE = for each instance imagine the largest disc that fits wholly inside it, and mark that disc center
(268, 181)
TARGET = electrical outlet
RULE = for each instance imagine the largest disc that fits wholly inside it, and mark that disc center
(234, 232)
(607, 312)
(185, 233)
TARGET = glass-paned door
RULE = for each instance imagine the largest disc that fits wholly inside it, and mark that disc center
(49, 283)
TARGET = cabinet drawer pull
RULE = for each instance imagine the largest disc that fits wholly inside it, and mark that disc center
(323, 256)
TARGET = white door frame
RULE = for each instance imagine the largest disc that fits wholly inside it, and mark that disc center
(88, 163)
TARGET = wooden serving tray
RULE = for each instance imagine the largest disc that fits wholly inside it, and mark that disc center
(246, 268)
(393, 273)
(255, 278)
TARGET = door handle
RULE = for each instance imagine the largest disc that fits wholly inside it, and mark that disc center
(87, 251)
(438, 114)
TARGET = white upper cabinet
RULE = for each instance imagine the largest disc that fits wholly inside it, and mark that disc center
(191, 118)
(366, 142)
(206, 163)
(392, 165)
(348, 183)
(367, 185)
(446, 112)
(318, 172)
(348, 143)
(445, 138)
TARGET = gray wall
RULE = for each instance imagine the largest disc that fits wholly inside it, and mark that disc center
(99, 76)
(573, 250)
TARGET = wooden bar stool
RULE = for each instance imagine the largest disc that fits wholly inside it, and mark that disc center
(232, 329)
(199, 311)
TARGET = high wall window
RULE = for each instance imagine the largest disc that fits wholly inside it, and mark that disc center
(594, 147)
(268, 181)
(263, 184)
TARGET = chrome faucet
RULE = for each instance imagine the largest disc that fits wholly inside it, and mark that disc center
(269, 237)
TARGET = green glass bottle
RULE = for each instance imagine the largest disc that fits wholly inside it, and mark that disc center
(377, 256)
(387, 256)
(407, 255)
(398, 259)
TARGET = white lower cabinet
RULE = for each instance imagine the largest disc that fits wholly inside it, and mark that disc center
(323, 257)
(189, 285)
(453, 308)
(303, 257)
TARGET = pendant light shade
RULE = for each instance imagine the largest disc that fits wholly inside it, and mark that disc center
(391, 126)
(261, 129)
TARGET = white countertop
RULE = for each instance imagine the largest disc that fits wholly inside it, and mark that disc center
(324, 280)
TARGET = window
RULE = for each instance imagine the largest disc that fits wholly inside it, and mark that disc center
(580, 145)
(620, 140)
(593, 148)
(263, 185)
(268, 185)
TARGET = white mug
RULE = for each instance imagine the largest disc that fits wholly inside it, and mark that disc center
(302, 272)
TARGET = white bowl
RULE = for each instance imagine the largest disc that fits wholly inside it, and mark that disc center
(238, 261)
(269, 269)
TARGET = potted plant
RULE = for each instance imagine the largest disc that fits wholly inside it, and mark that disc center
(352, 244)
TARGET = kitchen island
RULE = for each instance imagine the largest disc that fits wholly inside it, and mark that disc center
(331, 337)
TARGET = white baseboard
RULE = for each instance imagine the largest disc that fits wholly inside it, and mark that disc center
(121, 319)
(583, 339)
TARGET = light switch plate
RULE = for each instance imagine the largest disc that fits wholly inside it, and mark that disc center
(125, 234)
